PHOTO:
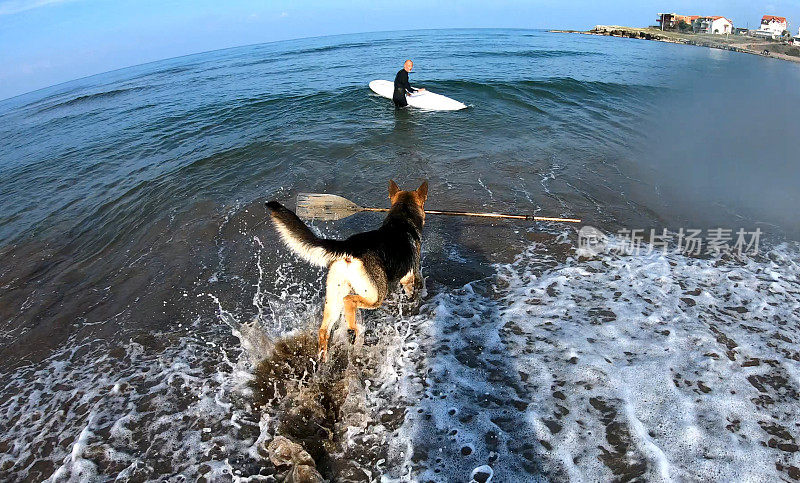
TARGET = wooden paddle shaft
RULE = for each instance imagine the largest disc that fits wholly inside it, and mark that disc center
(489, 215)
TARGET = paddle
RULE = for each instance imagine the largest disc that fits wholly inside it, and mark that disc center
(319, 206)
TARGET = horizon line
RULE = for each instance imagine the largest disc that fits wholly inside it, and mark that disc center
(260, 43)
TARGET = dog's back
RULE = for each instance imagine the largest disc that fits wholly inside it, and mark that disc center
(394, 246)
(368, 264)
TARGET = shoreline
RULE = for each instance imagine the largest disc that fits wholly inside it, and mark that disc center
(734, 43)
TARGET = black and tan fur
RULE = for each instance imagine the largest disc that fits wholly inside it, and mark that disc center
(365, 267)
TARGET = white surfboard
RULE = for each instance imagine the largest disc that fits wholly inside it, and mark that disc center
(423, 100)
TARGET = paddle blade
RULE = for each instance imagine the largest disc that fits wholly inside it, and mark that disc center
(317, 206)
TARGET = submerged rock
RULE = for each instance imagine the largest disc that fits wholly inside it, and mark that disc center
(304, 474)
(285, 453)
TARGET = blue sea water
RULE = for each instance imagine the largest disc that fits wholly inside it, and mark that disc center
(139, 284)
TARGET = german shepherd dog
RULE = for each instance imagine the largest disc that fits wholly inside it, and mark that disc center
(365, 267)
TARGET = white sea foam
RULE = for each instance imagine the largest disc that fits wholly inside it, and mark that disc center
(130, 411)
(661, 367)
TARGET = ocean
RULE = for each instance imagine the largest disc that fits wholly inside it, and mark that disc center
(152, 327)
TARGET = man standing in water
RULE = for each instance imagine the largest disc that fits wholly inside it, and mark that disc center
(401, 85)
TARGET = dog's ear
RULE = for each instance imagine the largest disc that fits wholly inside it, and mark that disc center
(393, 188)
(422, 191)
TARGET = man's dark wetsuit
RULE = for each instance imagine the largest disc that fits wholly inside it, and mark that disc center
(401, 86)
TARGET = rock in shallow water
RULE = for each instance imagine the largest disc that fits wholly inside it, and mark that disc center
(284, 452)
(304, 474)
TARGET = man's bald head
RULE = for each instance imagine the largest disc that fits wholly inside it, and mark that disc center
(407, 65)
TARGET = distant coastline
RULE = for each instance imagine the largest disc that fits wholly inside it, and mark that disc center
(735, 43)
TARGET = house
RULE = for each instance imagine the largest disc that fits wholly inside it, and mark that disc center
(666, 21)
(771, 27)
(713, 25)
(672, 21)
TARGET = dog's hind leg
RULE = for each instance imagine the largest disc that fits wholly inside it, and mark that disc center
(368, 294)
(411, 282)
(336, 288)
(354, 302)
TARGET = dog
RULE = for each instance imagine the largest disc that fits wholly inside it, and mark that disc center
(365, 267)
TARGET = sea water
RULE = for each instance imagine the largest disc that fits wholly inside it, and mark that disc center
(153, 327)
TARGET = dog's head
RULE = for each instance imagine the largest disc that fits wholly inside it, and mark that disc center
(413, 199)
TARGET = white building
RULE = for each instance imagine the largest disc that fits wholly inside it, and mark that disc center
(771, 27)
(713, 25)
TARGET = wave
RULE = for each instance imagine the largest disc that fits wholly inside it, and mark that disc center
(91, 97)
(329, 48)
(564, 91)
(533, 54)
(565, 85)
(173, 70)
(586, 99)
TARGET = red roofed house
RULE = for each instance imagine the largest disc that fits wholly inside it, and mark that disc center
(671, 21)
(771, 27)
(713, 25)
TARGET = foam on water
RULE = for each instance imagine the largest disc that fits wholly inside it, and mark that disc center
(661, 367)
(618, 367)
(142, 410)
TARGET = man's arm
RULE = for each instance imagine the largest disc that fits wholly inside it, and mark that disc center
(407, 85)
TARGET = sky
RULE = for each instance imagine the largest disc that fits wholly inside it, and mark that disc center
(46, 42)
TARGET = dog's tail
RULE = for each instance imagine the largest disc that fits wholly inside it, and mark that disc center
(301, 240)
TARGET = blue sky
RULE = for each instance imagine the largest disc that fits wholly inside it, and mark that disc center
(45, 42)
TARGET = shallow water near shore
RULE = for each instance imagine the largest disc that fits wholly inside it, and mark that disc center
(147, 312)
